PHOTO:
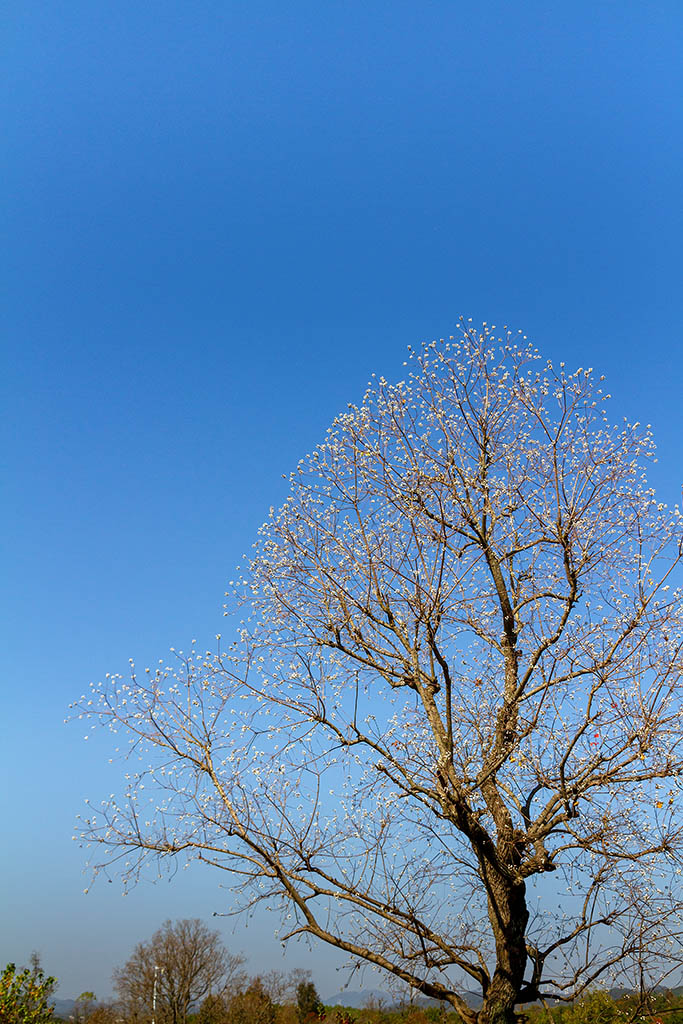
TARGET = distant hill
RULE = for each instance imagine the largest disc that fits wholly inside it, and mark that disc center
(63, 1007)
(357, 1000)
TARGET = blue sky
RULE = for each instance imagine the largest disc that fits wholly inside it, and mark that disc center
(219, 219)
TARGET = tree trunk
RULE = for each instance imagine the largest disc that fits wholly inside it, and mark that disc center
(509, 915)
(499, 1003)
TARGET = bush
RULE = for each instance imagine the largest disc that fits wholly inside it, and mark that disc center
(24, 995)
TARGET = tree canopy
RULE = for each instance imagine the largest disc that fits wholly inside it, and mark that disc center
(446, 738)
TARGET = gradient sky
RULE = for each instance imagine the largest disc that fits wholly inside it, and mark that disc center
(219, 218)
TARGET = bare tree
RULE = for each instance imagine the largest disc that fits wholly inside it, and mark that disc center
(265, 992)
(282, 986)
(447, 739)
(172, 973)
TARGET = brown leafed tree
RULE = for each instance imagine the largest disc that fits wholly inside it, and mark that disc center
(187, 961)
(447, 739)
(252, 1006)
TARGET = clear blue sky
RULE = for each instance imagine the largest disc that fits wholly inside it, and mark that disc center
(219, 218)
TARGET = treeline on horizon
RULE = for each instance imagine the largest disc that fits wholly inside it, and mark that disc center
(255, 1006)
(26, 997)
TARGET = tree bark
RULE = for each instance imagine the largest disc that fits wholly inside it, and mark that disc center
(509, 916)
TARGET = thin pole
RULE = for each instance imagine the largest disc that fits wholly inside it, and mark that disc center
(154, 994)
